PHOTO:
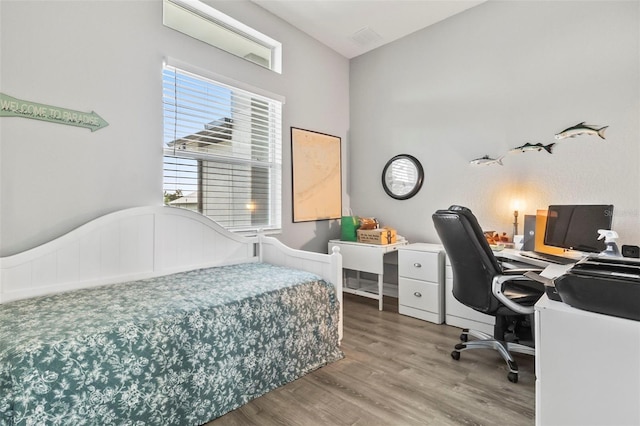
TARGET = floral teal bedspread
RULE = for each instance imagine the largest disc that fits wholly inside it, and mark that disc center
(175, 350)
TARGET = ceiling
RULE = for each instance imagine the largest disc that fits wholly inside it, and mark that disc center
(354, 27)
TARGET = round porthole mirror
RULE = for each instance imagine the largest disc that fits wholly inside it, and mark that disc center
(402, 177)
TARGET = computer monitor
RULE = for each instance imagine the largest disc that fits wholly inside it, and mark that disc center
(575, 227)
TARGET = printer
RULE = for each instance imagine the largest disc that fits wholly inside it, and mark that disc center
(607, 285)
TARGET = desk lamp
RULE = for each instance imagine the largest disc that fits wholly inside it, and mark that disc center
(516, 206)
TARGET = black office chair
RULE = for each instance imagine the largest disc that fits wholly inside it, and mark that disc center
(480, 282)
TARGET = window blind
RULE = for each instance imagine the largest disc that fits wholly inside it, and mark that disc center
(222, 151)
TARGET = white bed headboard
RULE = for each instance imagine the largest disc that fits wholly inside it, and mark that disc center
(130, 244)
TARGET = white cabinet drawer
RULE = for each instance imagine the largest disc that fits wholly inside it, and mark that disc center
(419, 265)
(419, 295)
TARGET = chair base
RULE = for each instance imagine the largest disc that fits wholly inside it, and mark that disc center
(486, 341)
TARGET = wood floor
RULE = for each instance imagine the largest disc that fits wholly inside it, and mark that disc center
(397, 371)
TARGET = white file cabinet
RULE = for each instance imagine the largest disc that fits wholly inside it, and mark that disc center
(460, 315)
(421, 281)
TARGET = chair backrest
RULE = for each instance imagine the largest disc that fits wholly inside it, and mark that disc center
(472, 260)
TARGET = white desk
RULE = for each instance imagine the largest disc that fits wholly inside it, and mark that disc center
(460, 315)
(362, 257)
(515, 255)
(587, 367)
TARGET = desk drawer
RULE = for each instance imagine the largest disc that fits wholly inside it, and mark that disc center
(420, 295)
(419, 265)
(361, 258)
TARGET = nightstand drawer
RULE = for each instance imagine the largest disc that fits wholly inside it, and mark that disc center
(419, 295)
(419, 265)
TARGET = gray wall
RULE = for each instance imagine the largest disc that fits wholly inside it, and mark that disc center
(490, 79)
(481, 82)
(107, 56)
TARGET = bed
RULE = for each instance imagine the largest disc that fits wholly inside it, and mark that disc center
(157, 315)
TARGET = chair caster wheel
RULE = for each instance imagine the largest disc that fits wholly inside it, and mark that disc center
(513, 377)
(464, 337)
(456, 355)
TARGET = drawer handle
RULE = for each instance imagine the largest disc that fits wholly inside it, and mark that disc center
(417, 294)
(417, 265)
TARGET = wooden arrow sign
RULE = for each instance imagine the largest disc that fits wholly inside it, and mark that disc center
(12, 107)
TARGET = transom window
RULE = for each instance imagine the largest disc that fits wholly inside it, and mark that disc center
(222, 151)
(204, 23)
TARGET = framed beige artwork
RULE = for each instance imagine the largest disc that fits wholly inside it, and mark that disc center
(316, 175)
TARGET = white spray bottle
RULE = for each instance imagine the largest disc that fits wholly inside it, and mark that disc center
(610, 237)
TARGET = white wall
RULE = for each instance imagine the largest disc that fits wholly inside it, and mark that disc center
(490, 79)
(106, 56)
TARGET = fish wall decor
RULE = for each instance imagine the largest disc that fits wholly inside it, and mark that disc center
(486, 161)
(581, 129)
(533, 147)
(569, 132)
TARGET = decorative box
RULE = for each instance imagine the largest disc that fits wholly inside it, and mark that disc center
(381, 236)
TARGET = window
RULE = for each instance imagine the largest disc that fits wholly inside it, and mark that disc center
(222, 151)
(203, 22)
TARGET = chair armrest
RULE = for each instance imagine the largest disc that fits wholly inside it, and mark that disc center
(497, 286)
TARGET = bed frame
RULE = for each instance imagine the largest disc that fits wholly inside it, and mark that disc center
(145, 242)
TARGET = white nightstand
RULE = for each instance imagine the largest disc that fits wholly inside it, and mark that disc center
(421, 281)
